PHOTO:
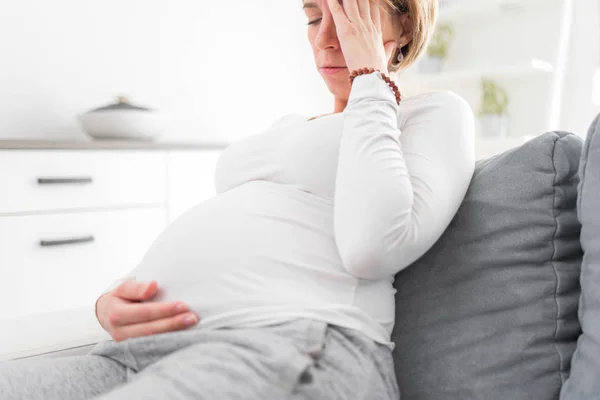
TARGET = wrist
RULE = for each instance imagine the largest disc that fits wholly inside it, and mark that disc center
(395, 91)
(383, 70)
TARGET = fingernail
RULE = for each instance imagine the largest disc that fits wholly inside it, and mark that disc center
(190, 320)
(180, 307)
(142, 289)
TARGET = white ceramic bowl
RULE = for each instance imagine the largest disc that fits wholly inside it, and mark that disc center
(123, 120)
(124, 124)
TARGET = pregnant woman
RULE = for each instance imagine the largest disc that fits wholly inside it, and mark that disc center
(280, 287)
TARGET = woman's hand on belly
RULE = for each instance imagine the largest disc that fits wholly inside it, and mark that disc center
(123, 316)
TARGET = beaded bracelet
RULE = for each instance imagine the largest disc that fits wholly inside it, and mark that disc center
(391, 83)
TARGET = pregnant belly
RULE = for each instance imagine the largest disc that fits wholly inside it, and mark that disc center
(256, 245)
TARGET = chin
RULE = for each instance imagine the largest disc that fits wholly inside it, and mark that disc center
(340, 88)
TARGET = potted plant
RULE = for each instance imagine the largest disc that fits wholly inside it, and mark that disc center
(493, 116)
(438, 48)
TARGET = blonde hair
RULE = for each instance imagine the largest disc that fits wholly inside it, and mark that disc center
(422, 17)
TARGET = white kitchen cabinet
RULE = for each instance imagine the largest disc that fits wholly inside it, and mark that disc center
(50, 180)
(61, 261)
(74, 217)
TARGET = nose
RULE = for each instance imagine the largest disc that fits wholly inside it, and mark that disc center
(327, 36)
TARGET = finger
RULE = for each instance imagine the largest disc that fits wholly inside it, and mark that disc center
(177, 323)
(337, 12)
(135, 313)
(136, 291)
(352, 10)
(376, 14)
(364, 7)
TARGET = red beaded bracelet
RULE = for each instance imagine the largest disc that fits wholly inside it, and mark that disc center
(391, 83)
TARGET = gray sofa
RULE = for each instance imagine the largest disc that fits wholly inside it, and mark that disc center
(506, 305)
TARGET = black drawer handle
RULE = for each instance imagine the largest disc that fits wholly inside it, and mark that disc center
(65, 181)
(66, 242)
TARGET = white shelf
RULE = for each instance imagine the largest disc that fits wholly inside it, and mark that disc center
(486, 147)
(473, 10)
(537, 67)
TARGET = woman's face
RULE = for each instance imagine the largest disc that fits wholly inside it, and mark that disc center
(326, 46)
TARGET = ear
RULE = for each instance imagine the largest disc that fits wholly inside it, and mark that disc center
(407, 29)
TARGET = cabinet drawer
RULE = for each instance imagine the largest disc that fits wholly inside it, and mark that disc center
(62, 261)
(56, 180)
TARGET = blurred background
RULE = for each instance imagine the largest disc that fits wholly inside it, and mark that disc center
(200, 61)
(113, 115)
(525, 66)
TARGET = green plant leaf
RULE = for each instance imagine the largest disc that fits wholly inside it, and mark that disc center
(494, 99)
(440, 41)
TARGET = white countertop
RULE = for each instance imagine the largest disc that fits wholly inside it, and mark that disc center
(109, 145)
(46, 333)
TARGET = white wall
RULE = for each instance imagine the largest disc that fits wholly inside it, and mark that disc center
(218, 68)
(578, 109)
(228, 68)
(491, 42)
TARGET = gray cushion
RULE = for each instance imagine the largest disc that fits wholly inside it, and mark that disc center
(584, 383)
(490, 312)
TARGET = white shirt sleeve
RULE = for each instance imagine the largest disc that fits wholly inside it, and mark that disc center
(397, 190)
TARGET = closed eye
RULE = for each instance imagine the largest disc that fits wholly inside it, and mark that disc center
(314, 22)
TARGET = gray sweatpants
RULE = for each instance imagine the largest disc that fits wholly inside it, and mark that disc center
(299, 360)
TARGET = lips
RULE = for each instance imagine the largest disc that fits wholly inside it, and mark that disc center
(332, 70)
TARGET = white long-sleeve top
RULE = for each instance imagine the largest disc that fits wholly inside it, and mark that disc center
(313, 218)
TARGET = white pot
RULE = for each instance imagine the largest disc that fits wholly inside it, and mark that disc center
(494, 125)
(431, 65)
(123, 121)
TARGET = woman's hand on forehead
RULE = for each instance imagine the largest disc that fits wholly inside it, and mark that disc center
(360, 33)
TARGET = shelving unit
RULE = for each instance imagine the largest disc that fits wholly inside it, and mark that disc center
(536, 67)
(521, 44)
(460, 10)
